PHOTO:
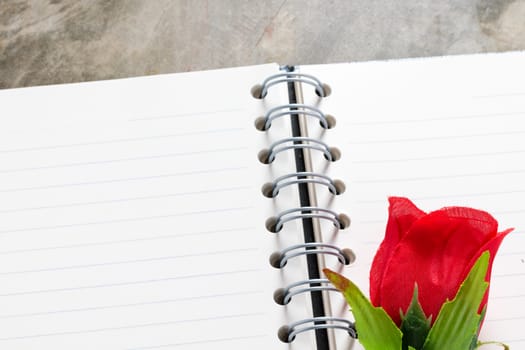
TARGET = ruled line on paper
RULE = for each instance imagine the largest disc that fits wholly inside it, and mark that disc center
(494, 213)
(122, 140)
(383, 222)
(515, 296)
(151, 324)
(512, 253)
(130, 305)
(130, 283)
(215, 340)
(514, 211)
(511, 274)
(203, 212)
(451, 195)
(447, 137)
(444, 156)
(210, 114)
(437, 177)
(519, 253)
(121, 160)
(128, 199)
(123, 241)
(503, 319)
(138, 178)
(435, 119)
(379, 221)
(133, 261)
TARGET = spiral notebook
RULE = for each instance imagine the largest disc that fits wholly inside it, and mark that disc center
(195, 210)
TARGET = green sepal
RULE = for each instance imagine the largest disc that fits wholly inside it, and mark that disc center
(375, 329)
(458, 320)
(414, 325)
(475, 343)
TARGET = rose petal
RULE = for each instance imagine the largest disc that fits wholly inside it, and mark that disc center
(492, 246)
(402, 213)
(433, 254)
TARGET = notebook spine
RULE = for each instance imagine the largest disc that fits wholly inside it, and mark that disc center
(308, 211)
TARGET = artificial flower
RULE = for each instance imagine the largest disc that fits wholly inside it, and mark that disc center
(428, 281)
(435, 251)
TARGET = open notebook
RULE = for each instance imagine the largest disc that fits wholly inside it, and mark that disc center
(132, 215)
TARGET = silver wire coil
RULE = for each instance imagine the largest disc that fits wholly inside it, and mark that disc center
(283, 296)
(275, 223)
(265, 122)
(271, 189)
(280, 258)
(267, 156)
(260, 91)
(287, 333)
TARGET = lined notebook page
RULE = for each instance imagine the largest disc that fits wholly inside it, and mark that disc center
(441, 131)
(131, 216)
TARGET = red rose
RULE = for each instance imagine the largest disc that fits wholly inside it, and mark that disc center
(435, 250)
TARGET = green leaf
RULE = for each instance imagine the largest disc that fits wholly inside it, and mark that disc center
(458, 320)
(414, 325)
(474, 343)
(375, 329)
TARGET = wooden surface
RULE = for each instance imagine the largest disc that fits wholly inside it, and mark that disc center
(57, 41)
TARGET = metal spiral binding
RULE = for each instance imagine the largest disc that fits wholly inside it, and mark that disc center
(260, 91)
(275, 223)
(279, 259)
(271, 189)
(283, 296)
(287, 333)
(267, 156)
(264, 123)
(305, 176)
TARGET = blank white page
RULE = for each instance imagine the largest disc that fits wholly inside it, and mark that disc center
(131, 216)
(441, 131)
